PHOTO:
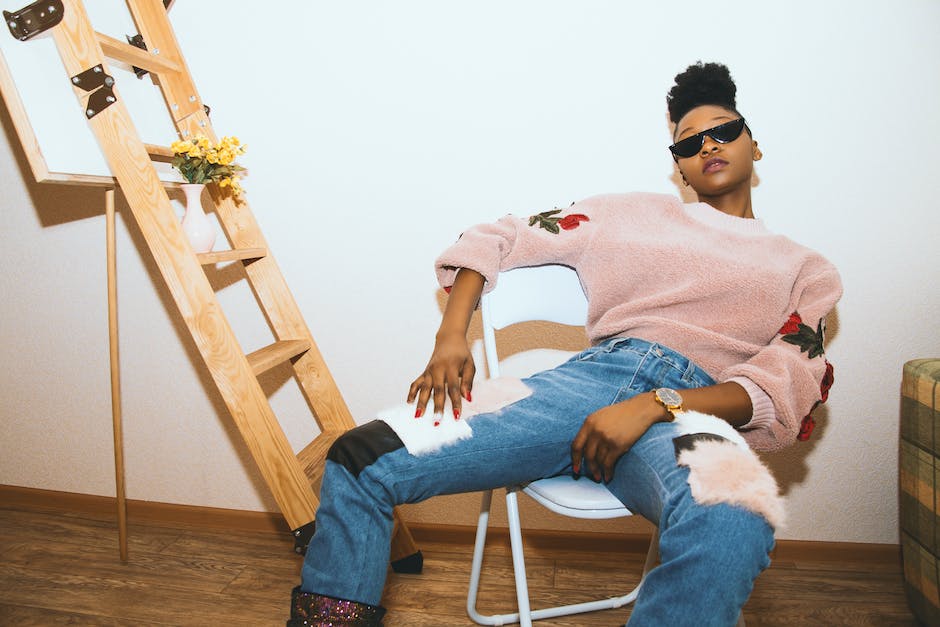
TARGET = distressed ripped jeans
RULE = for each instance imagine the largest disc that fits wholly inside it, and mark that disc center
(711, 554)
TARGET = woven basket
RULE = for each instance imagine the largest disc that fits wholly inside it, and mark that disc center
(919, 477)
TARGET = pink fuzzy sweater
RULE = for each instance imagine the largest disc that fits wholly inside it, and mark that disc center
(743, 303)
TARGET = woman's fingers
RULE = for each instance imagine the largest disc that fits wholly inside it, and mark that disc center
(577, 450)
(420, 391)
(608, 462)
(437, 384)
(466, 379)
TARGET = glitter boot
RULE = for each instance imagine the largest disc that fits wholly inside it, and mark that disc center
(317, 610)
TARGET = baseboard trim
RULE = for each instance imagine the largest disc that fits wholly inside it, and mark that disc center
(34, 499)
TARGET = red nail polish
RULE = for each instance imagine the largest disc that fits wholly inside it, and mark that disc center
(419, 412)
(469, 397)
(456, 414)
(437, 423)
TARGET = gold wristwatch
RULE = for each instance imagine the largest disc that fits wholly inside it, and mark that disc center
(670, 399)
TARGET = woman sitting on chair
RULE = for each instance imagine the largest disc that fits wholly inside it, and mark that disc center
(692, 307)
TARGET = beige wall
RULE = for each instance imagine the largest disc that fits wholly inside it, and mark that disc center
(377, 131)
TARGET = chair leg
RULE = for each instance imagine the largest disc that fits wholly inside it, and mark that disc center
(476, 569)
(518, 557)
(526, 615)
(476, 566)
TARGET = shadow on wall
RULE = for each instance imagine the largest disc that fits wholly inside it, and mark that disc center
(58, 203)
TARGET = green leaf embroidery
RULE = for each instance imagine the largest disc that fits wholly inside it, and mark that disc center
(809, 341)
(547, 220)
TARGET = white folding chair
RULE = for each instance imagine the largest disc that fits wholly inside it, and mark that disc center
(552, 293)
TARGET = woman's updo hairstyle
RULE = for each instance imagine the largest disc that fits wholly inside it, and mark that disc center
(701, 84)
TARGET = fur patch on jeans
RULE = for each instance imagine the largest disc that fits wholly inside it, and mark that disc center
(726, 470)
(431, 432)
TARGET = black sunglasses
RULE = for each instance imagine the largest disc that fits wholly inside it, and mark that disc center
(723, 133)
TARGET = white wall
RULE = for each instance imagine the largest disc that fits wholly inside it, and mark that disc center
(377, 131)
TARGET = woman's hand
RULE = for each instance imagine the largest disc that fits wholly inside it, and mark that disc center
(449, 372)
(609, 432)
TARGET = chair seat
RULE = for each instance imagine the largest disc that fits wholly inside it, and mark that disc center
(580, 495)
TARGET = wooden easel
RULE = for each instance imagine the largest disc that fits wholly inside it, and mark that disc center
(293, 479)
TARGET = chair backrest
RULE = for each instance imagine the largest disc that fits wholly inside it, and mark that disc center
(552, 293)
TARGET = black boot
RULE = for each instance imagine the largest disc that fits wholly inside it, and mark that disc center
(317, 610)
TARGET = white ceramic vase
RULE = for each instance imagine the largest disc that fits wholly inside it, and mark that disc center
(196, 224)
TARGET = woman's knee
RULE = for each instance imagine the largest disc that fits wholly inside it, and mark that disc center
(363, 446)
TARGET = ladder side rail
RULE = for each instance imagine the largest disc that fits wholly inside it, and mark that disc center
(194, 296)
(241, 228)
(179, 89)
(280, 308)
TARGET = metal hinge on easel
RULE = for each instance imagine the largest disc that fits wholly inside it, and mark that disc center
(94, 78)
(34, 19)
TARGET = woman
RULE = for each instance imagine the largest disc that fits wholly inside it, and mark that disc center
(691, 307)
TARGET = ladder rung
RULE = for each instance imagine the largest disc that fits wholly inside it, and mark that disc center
(236, 254)
(159, 153)
(134, 56)
(313, 455)
(266, 358)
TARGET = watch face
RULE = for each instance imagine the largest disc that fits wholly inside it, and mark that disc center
(669, 397)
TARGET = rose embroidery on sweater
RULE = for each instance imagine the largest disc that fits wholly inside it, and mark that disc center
(795, 332)
(553, 223)
(827, 381)
(808, 424)
(799, 334)
(792, 325)
(806, 428)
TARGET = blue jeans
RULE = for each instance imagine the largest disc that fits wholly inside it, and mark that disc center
(710, 554)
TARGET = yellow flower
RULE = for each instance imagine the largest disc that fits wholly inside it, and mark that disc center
(180, 146)
(198, 159)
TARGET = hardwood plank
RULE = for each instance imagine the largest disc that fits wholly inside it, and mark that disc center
(111, 598)
(790, 613)
(24, 616)
(79, 532)
(198, 572)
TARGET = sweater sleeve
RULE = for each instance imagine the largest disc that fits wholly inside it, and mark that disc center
(792, 369)
(557, 236)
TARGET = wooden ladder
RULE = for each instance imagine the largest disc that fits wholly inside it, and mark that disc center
(293, 478)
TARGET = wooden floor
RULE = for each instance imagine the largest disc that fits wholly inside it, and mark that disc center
(63, 568)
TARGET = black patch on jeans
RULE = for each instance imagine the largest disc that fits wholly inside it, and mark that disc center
(688, 441)
(363, 445)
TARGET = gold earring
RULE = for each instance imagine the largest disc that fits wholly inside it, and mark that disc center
(758, 155)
